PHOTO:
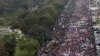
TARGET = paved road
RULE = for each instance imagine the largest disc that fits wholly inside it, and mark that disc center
(97, 40)
(74, 31)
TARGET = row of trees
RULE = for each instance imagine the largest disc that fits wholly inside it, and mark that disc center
(35, 18)
(8, 7)
(37, 23)
(9, 43)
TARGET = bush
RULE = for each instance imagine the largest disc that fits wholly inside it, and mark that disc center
(28, 47)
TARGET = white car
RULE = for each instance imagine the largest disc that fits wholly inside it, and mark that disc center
(97, 28)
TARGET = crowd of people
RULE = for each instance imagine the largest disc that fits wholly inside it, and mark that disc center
(74, 32)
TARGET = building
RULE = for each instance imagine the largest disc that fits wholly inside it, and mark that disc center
(94, 11)
(5, 29)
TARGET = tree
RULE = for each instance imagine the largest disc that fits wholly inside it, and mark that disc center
(39, 25)
(29, 45)
(49, 9)
(10, 44)
(3, 50)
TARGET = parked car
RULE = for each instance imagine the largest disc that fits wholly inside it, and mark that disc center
(97, 28)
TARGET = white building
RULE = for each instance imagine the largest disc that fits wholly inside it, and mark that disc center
(5, 29)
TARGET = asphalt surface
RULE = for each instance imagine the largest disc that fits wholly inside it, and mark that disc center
(97, 40)
(74, 32)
